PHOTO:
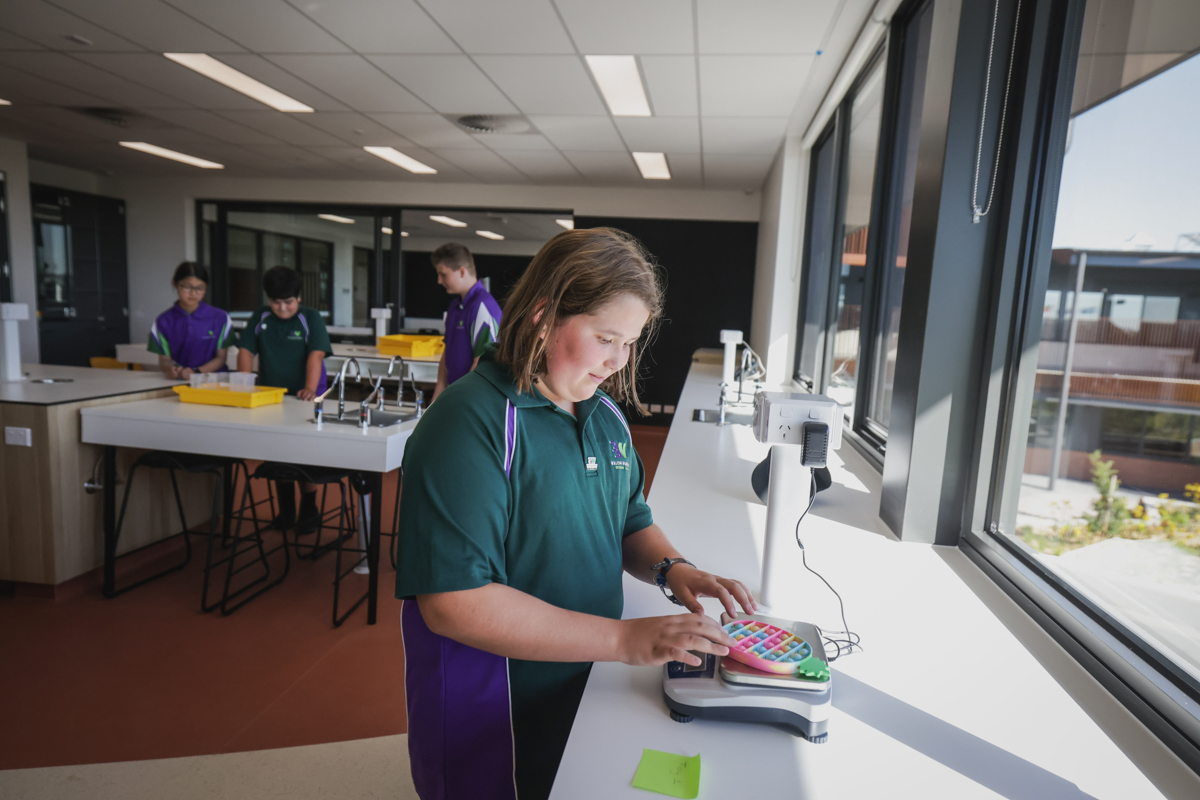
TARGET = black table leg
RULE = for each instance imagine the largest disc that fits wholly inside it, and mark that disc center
(226, 503)
(375, 485)
(110, 520)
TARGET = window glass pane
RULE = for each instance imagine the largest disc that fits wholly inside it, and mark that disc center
(1118, 519)
(891, 284)
(820, 246)
(851, 280)
(242, 257)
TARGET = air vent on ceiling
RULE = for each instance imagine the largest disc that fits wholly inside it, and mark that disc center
(494, 123)
(121, 117)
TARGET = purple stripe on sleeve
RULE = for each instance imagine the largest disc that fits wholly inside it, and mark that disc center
(510, 436)
(258, 328)
(303, 324)
(613, 407)
(460, 740)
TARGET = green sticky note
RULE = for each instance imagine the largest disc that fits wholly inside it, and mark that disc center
(669, 774)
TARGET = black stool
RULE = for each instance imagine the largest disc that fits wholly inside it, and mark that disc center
(172, 462)
(347, 521)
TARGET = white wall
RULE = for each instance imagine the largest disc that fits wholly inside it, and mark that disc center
(77, 180)
(14, 164)
(777, 272)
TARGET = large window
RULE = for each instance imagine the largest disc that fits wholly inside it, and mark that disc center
(861, 180)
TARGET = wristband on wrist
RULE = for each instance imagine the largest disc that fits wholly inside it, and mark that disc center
(660, 579)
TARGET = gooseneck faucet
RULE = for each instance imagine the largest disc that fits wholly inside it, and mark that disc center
(342, 384)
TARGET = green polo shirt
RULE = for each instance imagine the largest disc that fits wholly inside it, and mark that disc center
(501, 487)
(283, 345)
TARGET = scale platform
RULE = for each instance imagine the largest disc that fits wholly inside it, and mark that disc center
(725, 689)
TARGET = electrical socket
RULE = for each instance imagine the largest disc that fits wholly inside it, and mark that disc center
(22, 437)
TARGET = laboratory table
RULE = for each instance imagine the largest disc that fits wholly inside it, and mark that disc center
(956, 693)
(281, 432)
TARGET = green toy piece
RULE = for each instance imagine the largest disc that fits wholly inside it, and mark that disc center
(813, 668)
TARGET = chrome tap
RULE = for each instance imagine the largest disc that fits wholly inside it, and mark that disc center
(342, 384)
(364, 409)
(419, 396)
(319, 401)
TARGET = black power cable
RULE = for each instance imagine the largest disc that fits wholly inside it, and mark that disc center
(844, 641)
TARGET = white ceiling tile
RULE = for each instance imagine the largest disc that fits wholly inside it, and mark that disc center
(580, 133)
(184, 87)
(671, 84)
(15, 125)
(685, 171)
(428, 130)
(543, 166)
(354, 129)
(264, 26)
(352, 80)
(450, 84)
(619, 27)
(514, 26)
(484, 164)
(660, 134)
(50, 26)
(379, 26)
(744, 135)
(600, 167)
(68, 125)
(214, 125)
(152, 24)
(285, 127)
(735, 172)
(544, 84)
(90, 78)
(290, 155)
(280, 80)
(23, 88)
(764, 26)
(752, 86)
(503, 142)
(10, 41)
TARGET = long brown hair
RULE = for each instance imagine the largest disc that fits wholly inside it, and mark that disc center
(575, 273)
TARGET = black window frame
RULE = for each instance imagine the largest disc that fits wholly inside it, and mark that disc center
(869, 436)
(1148, 683)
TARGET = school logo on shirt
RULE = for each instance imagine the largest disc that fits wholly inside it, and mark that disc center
(620, 450)
(592, 466)
(295, 335)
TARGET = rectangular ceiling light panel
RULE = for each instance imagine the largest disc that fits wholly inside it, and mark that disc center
(163, 152)
(451, 221)
(653, 166)
(343, 220)
(621, 84)
(489, 235)
(400, 160)
(5, 102)
(569, 224)
(224, 74)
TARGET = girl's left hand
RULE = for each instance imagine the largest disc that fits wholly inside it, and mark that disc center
(688, 583)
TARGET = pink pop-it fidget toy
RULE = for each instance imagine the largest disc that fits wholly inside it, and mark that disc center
(770, 648)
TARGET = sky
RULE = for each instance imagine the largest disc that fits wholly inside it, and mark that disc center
(1132, 168)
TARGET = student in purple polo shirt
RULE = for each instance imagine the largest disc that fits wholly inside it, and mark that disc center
(473, 319)
(191, 336)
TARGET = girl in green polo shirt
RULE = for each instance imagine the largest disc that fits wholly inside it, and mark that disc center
(522, 506)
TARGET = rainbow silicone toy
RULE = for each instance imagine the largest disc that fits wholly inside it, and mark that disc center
(769, 648)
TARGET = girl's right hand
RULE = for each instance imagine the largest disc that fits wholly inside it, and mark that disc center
(651, 641)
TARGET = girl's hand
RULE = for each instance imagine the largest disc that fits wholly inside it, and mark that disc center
(688, 583)
(306, 393)
(653, 641)
(185, 372)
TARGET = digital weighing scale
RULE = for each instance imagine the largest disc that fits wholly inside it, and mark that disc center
(802, 429)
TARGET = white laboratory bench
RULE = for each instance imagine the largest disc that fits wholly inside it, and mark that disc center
(956, 694)
(279, 432)
(422, 369)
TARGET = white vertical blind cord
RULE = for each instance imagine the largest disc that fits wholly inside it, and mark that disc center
(978, 213)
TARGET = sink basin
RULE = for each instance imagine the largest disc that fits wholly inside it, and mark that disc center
(379, 419)
(714, 415)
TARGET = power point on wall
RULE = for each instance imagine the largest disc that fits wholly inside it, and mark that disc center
(668, 409)
(22, 437)
(655, 408)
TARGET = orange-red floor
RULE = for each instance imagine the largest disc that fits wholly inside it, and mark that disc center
(147, 675)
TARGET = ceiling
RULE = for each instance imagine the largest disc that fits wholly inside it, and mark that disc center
(723, 80)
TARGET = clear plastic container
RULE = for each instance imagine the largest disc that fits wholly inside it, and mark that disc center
(196, 380)
(242, 381)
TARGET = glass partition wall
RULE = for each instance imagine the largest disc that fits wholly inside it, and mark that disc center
(356, 258)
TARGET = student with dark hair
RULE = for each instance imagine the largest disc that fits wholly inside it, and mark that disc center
(191, 336)
(291, 343)
(522, 507)
(473, 319)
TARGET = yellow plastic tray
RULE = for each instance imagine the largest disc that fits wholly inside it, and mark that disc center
(411, 344)
(220, 395)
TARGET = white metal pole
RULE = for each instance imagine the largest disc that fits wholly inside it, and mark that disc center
(787, 497)
(1060, 427)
